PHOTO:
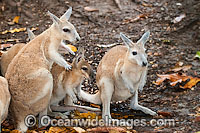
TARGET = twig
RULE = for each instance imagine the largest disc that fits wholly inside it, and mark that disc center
(117, 2)
(108, 45)
(72, 108)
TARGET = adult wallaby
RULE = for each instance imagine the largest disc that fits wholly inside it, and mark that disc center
(120, 74)
(29, 77)
(4, 99)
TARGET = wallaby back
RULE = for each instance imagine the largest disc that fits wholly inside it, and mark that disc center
(7, 57)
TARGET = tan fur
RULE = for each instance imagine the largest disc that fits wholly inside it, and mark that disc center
(29, 77)
(120, 74)
(4, 99)
(8, 56)
(68, 83)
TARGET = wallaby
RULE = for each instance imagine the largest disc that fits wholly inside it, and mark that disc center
(67, 84)
(29, 77)
(121, 72)
(4, 99)
(7, 57)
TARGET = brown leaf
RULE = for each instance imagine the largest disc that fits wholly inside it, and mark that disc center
(191, 83)
(90, 9)
(2, 46)
(79, 130)
(164, 113)
(175, 77)
(57, 130)
(197, 119)
(16, 19)
(95, 105)
(107, 129)
(178, 68)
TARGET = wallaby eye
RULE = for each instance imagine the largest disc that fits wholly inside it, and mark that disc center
(66, 30)
(84, 68)
(134, 53)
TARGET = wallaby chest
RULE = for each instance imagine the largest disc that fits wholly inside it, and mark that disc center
(127, 77)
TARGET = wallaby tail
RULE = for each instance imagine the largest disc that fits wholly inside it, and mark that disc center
(93, 98)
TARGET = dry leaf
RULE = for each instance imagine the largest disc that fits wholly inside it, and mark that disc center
(79, 130)
(90, 9)
(164, 113)
(15, 131)
(179, 18)
(191, 83)
(17, 30)
(73, 48)
(57, 130)
(95, 105)
(177, 78)
(184, 68)
(16, 19)
(107, 129)
(2, 46)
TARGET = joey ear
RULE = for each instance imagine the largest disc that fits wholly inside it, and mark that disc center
(55, 19)
(31, 35)
(67, 14)
(144, 38)
(126, 40)
(82, 53)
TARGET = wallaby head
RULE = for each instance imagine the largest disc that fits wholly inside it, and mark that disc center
(136, 51)
(63, 28)
(82, 65)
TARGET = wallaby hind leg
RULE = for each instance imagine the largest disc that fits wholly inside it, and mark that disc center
(107, 89)
(134, 105)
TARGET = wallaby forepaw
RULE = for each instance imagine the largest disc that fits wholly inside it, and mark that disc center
(68, 67)
(71, 52)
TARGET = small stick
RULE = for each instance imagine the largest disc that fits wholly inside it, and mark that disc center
(72, 108)
(117, 2)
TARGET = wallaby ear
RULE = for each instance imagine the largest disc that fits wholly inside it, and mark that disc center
(67, 14)
(55, 19)
(126, 40)
(144, 38)
(31, 35)
(82, 53)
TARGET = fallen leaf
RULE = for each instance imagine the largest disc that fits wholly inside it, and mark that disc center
(79, 129)
(184, 68)
(179, 18)
(129, 20)
(95, 105)
(73, 48)
(2, 46)
(17, 30)
(197, 119)
(178, 78)
(107, 129)
(16, 19)
(191, 83)
(90, 9)
(15, 131)
(197, 55)
(164, 113)
(57, 129)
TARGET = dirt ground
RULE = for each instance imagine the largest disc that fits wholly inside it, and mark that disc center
(169, 43)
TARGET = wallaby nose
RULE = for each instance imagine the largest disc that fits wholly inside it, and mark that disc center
(144, 64)
(77, 39)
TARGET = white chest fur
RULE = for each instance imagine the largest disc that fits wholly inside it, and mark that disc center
(127, 81)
